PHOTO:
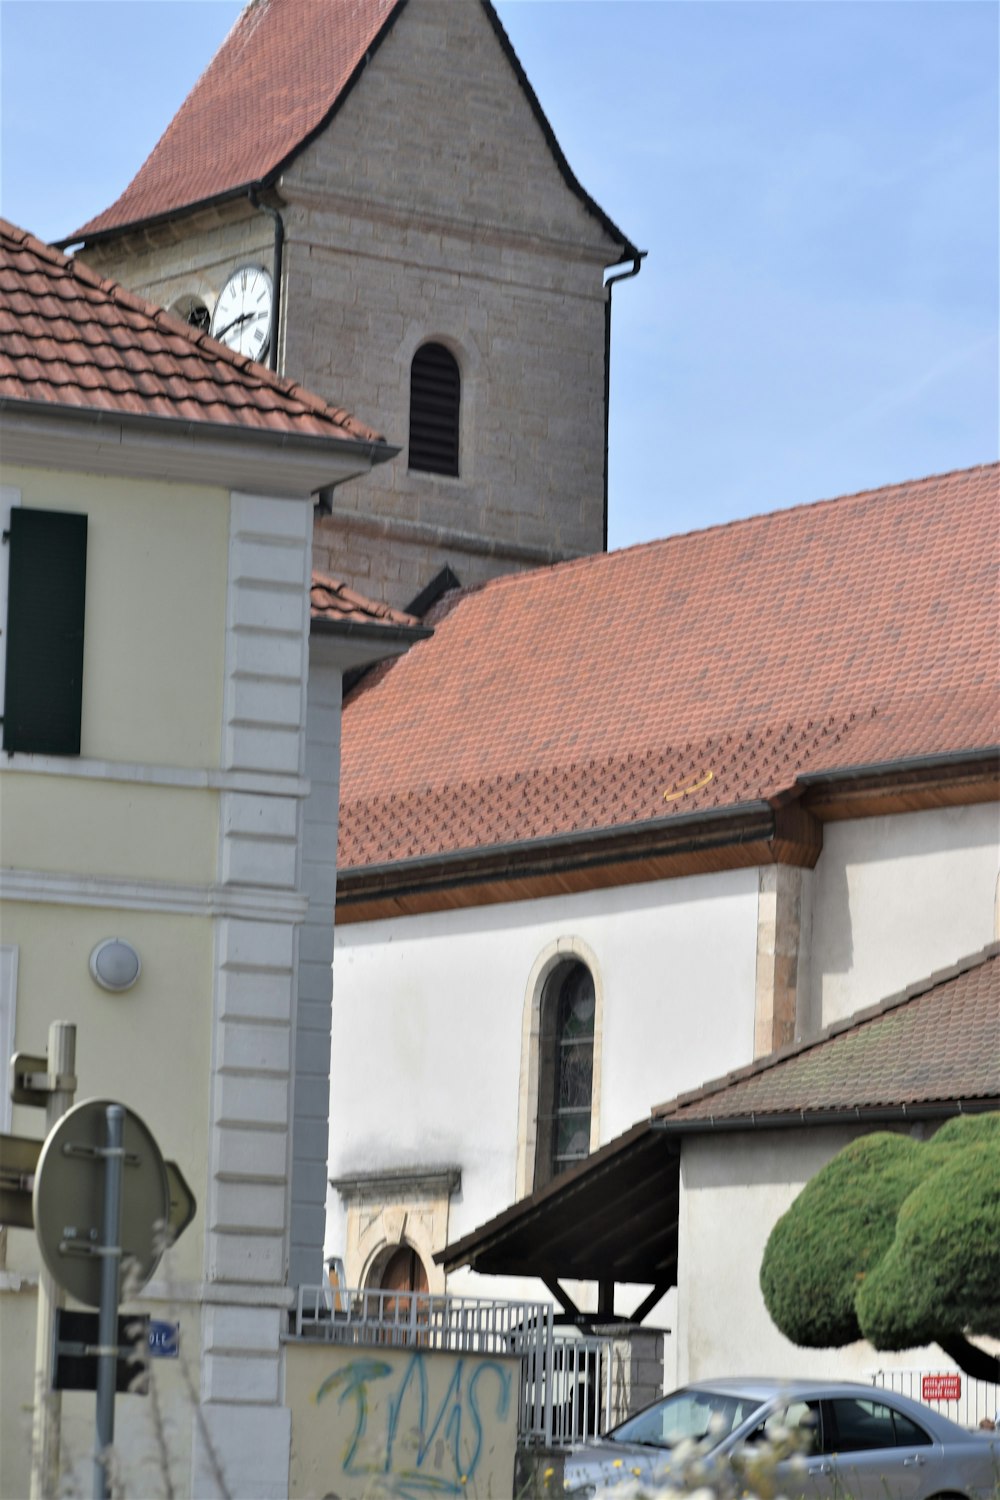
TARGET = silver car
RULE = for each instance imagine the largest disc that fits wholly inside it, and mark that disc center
(820, 1438)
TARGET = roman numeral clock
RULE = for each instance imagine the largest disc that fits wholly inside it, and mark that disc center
(242, 316)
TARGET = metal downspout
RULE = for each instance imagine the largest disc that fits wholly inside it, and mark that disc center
(622, 276)
(279, 245)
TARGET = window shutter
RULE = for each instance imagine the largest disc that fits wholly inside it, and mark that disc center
(435, 396)
(43, 695)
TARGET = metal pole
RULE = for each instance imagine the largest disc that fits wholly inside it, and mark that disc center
(107, 1326)
(48, 1403)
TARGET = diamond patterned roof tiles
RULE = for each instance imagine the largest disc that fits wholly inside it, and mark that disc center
(694, 673)
(69, 338)
(936, 1042)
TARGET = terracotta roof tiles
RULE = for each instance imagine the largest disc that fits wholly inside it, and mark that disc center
(69, 338)
(332, 600)
(935, 1043)
(698, 672)
(269, 87)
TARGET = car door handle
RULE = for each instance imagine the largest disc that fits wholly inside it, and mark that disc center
(823, 1468)
(915, 1462)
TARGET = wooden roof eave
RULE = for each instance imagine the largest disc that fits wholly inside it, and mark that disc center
(787, 830)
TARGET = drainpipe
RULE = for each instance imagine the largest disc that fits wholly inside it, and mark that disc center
(279, 244)
(640, 256)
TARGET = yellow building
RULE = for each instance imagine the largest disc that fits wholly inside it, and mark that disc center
(169, 779)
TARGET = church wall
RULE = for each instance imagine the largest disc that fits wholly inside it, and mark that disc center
(429, 1018)
(734, 1188)
(896, 898)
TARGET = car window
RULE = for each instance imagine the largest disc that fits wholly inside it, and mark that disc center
(687, 1415)
(795, 1425)
(860, 1425)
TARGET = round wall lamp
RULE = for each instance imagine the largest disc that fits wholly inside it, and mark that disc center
(115, 965)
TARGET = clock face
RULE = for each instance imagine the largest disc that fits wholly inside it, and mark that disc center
(242, 316)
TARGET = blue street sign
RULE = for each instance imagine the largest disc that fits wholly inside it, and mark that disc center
(164, 1340)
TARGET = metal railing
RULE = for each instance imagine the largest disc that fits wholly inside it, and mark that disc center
(977, 1399)
(566, 1381)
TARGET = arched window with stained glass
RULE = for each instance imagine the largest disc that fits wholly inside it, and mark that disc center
(566, 1071)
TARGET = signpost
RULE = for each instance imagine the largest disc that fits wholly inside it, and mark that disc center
(101, 1196)
(102, 1201)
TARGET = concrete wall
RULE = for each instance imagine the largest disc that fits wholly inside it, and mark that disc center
(400, 1421)
(734, 1188)
(429, 1012)
(895, 898)
(431, 208)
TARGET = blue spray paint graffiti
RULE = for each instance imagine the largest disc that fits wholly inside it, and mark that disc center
(436, 1452)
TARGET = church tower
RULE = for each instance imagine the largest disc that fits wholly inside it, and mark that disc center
(367, 195)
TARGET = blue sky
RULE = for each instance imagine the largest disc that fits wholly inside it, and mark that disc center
(816, 183)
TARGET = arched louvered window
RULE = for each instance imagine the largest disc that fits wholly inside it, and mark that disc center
(435, 396)
(565, 1071)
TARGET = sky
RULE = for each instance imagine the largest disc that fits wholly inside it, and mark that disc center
(815, 183)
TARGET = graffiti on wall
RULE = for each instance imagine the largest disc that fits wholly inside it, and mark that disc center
(418, 1424)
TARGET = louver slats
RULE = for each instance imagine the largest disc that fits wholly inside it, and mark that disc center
(435, 396)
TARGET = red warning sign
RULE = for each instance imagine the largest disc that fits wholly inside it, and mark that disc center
(940, 1387)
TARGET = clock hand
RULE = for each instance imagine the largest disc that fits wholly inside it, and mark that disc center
(241, 318)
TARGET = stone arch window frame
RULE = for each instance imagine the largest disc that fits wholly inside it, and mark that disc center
(561, 951)
(469, 364)
(394, 1208)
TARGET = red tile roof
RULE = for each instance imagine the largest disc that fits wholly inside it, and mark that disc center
(685, 675)
(332, 600)
(275, 82)
(935, 1043)
(69, 338)
(272, 83)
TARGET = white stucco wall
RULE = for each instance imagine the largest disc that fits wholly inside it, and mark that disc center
(734, 1188)
(428, 1023)
(896, 898)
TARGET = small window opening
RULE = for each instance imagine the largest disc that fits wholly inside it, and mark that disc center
(435, 398)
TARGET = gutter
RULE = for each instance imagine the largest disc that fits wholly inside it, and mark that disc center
(851, 1115)
(640, 256)
(362, 630)
(945, 760)
(717, 823)
(279, 245)
(376, 452)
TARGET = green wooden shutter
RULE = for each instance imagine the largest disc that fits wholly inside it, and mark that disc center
(43, 697)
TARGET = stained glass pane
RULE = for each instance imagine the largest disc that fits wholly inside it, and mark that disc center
(572, 1137)
(576, 1068)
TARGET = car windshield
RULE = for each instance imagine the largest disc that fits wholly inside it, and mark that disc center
(692, 1415)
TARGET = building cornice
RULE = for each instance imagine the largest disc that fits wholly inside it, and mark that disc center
(263, 904)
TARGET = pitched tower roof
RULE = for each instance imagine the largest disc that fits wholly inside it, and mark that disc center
(278, 80)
